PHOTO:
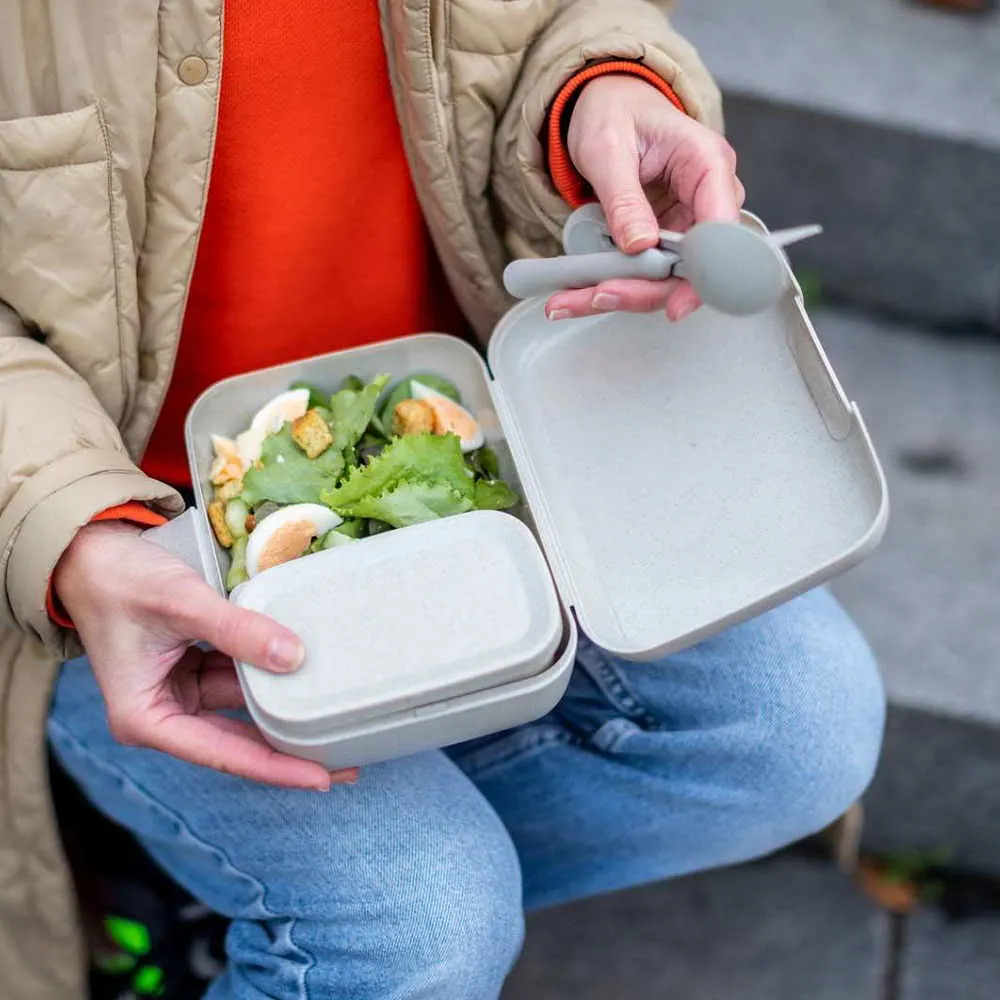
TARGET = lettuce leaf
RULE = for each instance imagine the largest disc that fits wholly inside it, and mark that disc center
(411, 502)
(495, 494)
(484, 463)
(417, 478)
(424, 458)
(351, 411)
(285, 475)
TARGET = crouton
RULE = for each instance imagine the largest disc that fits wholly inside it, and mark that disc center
(250, 523)
(413, 416)
(229, 490)
(312, 433)
(217, 517)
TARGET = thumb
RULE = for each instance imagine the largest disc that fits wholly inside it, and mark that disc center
(200, 613)
(614, 176)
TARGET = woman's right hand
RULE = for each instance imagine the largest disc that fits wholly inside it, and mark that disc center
(138, 609)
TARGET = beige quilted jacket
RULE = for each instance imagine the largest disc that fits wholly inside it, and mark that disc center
(107, 115)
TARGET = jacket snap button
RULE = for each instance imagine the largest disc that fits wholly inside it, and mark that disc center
(192, 70)
(148, 367)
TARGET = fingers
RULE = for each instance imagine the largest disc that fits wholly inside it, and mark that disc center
(676, 297)
(715, 196)
(682, 302)
(348, 776)
(231, 746)
(700, 169)
(612, 167)
(612, 296)
(219, 688)
(199, 613)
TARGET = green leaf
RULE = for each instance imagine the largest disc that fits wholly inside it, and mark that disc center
(424, 458)
(404, 390)
(148, 981)
(287, 476)
(129, 935)
(812, 288)
(352, 382)
(352, 527)
(351, 411)
(317, 398)
(484, 463)
(115, 964)
(412, 502)
(495, 495)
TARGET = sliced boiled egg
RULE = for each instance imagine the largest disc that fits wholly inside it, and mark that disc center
(269, 419)
(285, 407)
(227, 464)
(249, 444)
(287, 534)
(450, 417)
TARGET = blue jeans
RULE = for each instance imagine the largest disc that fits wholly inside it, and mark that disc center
(413, 882)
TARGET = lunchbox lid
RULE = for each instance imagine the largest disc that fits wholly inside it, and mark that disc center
(684, 476)
(383, 611)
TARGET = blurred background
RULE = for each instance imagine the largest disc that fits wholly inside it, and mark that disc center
(881, 120)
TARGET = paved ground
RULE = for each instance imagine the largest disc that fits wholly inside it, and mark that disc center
(782, 930)
(928, 598)
(786, 929)
(836, 119)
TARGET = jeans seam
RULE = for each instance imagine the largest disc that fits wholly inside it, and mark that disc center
(617, 691)
(517, 746)
(80, 748)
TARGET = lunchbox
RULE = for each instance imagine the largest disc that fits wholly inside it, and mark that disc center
(676, 479)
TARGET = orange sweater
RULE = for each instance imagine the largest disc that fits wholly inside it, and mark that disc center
(313, 239)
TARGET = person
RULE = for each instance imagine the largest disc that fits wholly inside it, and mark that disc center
(372, 168)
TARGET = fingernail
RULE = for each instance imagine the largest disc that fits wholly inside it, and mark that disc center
(605, 302)
(558, 314)
(284, 652)
(348, 777)
(684, 312)
(633, 235)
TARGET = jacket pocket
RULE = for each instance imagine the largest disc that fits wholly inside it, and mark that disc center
(67, 264)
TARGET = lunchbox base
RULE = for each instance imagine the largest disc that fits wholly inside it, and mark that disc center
(440, 724)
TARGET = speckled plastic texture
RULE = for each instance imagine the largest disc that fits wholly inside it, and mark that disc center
(685, 477)
(408, 617)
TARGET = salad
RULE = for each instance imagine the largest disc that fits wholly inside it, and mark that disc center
(316, 470)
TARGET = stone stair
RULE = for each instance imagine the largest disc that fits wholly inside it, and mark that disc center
(880, 119)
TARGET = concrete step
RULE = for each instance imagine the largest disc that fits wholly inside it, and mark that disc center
(929, 598)
(880, 119)
(784, 929)
(949, 961)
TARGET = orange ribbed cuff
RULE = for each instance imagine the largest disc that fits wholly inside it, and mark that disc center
(136, 513)
(567, 179)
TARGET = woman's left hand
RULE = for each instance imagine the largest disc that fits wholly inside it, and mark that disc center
(651, 167)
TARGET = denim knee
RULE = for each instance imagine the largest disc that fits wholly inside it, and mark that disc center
(466, 932)
(818, 737)
(448, 923)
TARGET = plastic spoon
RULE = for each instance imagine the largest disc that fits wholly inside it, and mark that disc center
(733, 268)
